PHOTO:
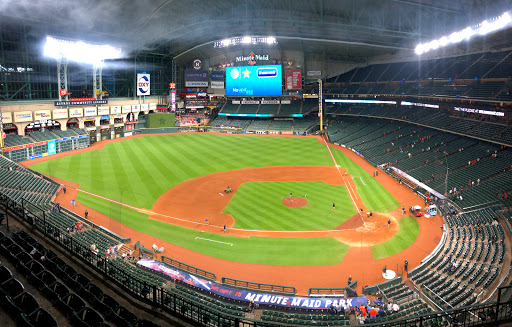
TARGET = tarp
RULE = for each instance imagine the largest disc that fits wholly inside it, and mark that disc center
(417, 182)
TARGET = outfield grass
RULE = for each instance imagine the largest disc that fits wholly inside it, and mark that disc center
(137, 171)
(407, 233)
(258, 205)
(373, 194)
(308, 251)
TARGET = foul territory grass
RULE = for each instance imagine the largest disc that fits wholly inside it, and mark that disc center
(258, 205)
(138, 171)
(373, 194)
(407, 233)
(308, 251)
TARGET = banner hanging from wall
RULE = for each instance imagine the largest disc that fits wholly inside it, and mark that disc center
(52, 149)
(243, 295)
(293, 79)
(143, 83)
(196, 78)
(217, 80)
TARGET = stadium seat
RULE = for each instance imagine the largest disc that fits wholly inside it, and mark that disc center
(78, 282)
(39, 318)
(56, 291)
(91, 293)
(146, 323)
(106, 304)
(123, 317)
(71, 304)
(43, 279)
(22, 303)
(5, 274)
(88, 318)
(11, 287)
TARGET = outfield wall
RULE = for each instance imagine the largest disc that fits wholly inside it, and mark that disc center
(46, 148)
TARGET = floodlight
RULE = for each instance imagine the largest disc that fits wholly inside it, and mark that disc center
(225, 42)
(271, 40)
(484, 28)
(79, 51)
(246, 40)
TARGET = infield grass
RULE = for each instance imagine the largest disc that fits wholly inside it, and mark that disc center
(303, 251)
(268, 213)
(407, 233)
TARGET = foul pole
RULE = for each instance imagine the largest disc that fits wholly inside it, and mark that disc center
(320, 107)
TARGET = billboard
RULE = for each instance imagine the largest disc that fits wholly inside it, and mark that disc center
(42, 114)
(287, 301)
(60, 113)
(217, 80)
(293, 79)
(6, 117)
(51, 148)
(254, 80)
(143, 83)
(196, 78)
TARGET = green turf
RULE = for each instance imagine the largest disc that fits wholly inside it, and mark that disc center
(137, 171)
(373, 194)
(407, 233)
(309, 251)
(258, 205)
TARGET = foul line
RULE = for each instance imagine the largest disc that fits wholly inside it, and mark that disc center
(199, 223)
(346, 183)
(362, 181)
(207, 239)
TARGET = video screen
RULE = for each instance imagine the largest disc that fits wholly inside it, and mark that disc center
(254, 80)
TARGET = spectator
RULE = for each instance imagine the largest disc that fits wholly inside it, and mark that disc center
(396, 308)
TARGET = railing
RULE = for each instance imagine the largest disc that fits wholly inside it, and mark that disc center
(279, 289)
(199, 314)
(191, 269)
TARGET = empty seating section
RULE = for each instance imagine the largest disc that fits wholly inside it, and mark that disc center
(230, 108)
(248, 109)
(469, 263)
(15, 139)
(309, 105)
(66, 133)
(450, 77)
(282, 125)
(79, 131)
(293, 108)
(269, 109)
(42, 136)
(304, 124)
(260, 124)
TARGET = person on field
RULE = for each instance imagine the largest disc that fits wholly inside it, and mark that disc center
(72, 202)
(86, 214)
(333, 206)
(224, 228)
(406, 263)
(389, 222)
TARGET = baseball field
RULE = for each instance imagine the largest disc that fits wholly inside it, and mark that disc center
(296, 201)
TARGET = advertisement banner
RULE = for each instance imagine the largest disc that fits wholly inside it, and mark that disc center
(22, 116)
(247, 296)
(127, 109)
(235, 102)
(273, 132)
(300, 133)
(60, 113)
(115, 110)
(52, 149)
(314, 73)
(152, 106)
(103, 111)
(144, 107)
(135, 108)
(217, 84)
(261, 132)
(250, 102)
(217, 76)
(286, 132)
(286, 102)
(6, 117)
(196, 78)
(143, 83)
(254, 80)
(293, 79)
(90, 111)
(24, 146)
(269, 101)
(79, 103)
(76, 112)
(42, 115)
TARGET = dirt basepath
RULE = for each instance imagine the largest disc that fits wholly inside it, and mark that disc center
(358, 262)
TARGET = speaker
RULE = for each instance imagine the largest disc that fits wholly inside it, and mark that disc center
(350, 292)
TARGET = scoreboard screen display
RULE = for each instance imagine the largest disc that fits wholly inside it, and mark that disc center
(254, 80)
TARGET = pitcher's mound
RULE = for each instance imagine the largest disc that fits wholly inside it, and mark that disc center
(295, 202)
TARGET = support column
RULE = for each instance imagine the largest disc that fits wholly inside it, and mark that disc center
(98, 81)
(62, 71)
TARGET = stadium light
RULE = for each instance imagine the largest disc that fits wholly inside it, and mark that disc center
(79, 51)
(486, 27)
(246, 40)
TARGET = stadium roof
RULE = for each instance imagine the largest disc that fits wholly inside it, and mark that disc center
(356, 28)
